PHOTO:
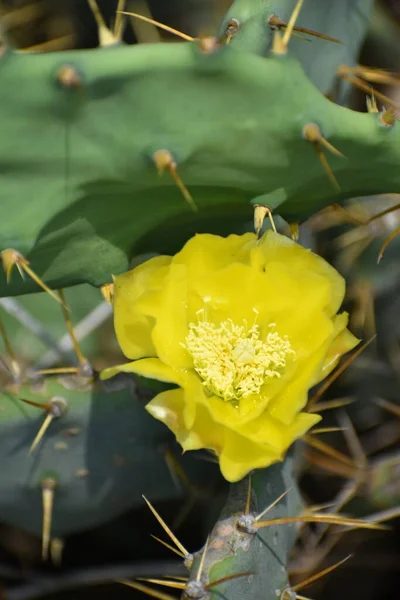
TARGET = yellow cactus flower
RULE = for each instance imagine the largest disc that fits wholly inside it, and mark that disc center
(244, 328)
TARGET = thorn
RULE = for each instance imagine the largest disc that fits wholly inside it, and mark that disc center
(317, 576)
(327, 449)
(168, 546)
(248, 498)
(328, 382)
(167, 583)
(176, 470)
(389, 406)
(330, 404)
(294, 231)
(386, 243)
(228, 578)
(69, 77)
(147, 590)
(312, 133)
(15, 369)
(372, 106)
(48, 486)
(164, 160)
(274, 503)
(231, 29)
(41, 405)
(106, 37)
(278, 46)
(276, 23)
(322, 518)
(167, 529)
(64, 42)
(107, 292)
(365, 87)
(353, 441)
(373, 75)
(260, 212)
(58, 409)
(119, 20)
(58, 371)
(81, 359)
(11, 258)
(208, 45)
(319, 430)
(203, 557)
(56, 551)
(329, 465)
(291, 24)
(387, 117)
(180, 34)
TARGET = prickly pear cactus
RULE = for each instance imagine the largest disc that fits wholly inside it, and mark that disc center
(124, 152)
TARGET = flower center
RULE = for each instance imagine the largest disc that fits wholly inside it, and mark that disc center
(232, 360)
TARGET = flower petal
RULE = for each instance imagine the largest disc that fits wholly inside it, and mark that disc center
(132, 327)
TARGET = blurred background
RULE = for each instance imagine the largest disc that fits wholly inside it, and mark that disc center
(350, 239)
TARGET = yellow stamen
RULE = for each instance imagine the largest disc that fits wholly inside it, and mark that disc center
(232, 360)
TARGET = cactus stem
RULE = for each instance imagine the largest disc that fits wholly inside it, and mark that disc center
(11, 258)
(65, 310)
(171, 535)
(176, 32)
(58, 408)
(309, 580)
(276, 23)
(386, 243)
(48, 486)
(328, 382)
(164, 160)
(147, 590)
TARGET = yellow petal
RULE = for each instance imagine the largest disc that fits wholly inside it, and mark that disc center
(276, 247)
(171, 323)
(133, 329)
(153, 368)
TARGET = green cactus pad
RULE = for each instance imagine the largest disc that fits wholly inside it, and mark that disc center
(263, 555)
(105, 452)
(81, 190)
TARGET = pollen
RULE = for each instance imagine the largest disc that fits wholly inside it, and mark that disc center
(233, 360)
